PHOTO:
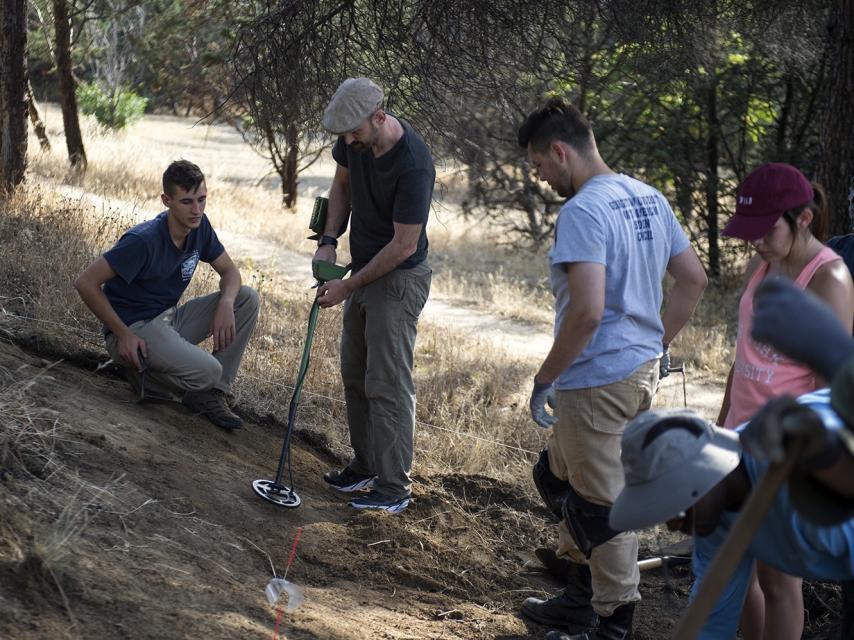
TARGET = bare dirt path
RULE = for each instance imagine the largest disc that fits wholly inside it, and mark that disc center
(224, 154)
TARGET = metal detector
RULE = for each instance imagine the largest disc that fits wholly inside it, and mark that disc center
(275, 491)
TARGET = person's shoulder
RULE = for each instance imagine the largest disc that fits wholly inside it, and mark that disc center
(415, 145)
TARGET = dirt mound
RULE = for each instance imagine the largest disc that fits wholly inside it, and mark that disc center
(156, 533)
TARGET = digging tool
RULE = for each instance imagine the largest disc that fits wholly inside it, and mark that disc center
(275, 491)
(736, 542)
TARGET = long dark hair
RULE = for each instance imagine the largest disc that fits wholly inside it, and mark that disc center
(820, 214)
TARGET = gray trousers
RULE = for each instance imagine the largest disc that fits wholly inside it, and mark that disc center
(377, 346)
(175, 363)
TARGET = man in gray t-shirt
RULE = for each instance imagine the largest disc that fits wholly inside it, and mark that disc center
(384, 182)
(614, 240)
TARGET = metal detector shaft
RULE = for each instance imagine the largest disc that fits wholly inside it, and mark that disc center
(292, 409)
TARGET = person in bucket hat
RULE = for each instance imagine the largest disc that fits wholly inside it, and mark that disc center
(695, 476)
(784, 217)
(384, 184)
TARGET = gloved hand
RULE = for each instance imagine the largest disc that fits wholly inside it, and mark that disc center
(769, 433)
(542, 395)
(800, 326)
(664, 363)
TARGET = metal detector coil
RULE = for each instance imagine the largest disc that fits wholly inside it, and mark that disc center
(279, 495)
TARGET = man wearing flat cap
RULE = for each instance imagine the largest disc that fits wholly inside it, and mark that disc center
(384, 182)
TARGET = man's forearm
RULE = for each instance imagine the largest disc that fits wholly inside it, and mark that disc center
(683, 300)
(339, 207)
(388, 259)
(575, 333)
(229, 285)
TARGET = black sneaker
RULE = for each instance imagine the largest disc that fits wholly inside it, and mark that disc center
(348, 480)
(213, 406)
(378, 501)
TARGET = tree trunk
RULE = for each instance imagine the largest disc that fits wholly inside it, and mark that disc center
(836, 165)
(712, 179)
(289, 175)
(36, 119)
(13, 93)
(67, 97)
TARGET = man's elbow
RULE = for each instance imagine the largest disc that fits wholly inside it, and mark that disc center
(79, 284)
(589, 320)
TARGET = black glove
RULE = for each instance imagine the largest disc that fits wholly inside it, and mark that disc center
(801, 326)
(664, 363)
(769, 433)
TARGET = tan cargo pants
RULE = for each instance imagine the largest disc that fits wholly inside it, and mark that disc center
(584, 449)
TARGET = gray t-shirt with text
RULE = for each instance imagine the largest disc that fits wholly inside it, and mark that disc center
(629, 227)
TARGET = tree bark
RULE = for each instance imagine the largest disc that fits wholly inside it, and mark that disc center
(289, 175)
(13, 93)
(36, 119)
(712, 178)
(67, 96)
(835, 169)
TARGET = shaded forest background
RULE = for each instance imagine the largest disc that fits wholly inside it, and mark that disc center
(688, 96)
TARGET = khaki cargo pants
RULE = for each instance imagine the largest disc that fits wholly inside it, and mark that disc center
(584, 449)
(377, 347)
(175, 363)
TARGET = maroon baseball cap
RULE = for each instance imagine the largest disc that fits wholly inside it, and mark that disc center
(765, 195)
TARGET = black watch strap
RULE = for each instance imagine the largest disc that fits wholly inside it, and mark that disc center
(324, 239)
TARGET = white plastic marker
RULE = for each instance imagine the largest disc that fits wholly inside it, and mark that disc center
(277, 586)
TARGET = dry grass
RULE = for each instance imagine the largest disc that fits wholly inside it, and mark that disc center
(469, 393)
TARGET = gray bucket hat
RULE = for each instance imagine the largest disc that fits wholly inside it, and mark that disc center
(354, 100)
(671, 459)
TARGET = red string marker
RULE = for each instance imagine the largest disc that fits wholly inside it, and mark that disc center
(279, 610)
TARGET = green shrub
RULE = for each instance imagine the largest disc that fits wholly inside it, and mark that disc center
(114, 109)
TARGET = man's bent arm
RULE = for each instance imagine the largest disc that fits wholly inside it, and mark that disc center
(88, 285)
(582, 319)
(339, 201)
(402, 245)
(690, 282)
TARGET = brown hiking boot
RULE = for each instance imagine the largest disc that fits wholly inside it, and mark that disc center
(212, 405)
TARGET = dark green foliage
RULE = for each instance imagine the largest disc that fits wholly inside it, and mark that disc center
(114, 109)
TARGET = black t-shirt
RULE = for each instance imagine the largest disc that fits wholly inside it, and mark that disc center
(396, 187)
(151, 272)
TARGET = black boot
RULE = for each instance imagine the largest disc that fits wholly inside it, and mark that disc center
(569, 609)
(617, 626)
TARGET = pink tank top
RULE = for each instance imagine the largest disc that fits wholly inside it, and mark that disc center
(759, 372)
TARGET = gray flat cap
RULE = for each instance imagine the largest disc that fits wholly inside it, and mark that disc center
(353, 101)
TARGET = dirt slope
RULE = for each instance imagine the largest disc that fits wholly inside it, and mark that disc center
(176, 545)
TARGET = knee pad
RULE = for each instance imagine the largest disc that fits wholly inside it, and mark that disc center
(587, 521)
(552, 490)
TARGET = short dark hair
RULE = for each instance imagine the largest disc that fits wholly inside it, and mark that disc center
(557, 120)
(184, 174)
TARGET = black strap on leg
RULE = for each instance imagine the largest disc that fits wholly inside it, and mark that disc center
(587, 521)
(552, 490)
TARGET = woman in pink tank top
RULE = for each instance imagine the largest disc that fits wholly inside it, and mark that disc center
(785, 218)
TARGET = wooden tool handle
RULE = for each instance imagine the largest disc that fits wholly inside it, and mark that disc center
(733, 547)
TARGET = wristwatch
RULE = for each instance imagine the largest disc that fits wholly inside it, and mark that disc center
(324, 239)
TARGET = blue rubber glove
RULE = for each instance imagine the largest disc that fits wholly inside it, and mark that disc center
(542, 395)
(664, 363)
(801, 326)
(770, 431)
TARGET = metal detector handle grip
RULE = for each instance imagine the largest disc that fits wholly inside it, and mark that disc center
(733, 548)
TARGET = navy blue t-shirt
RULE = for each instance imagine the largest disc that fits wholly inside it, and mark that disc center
(152, 273)
(396, 187)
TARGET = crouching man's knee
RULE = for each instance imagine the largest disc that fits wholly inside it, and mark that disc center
(248, 299)
(204, 377)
